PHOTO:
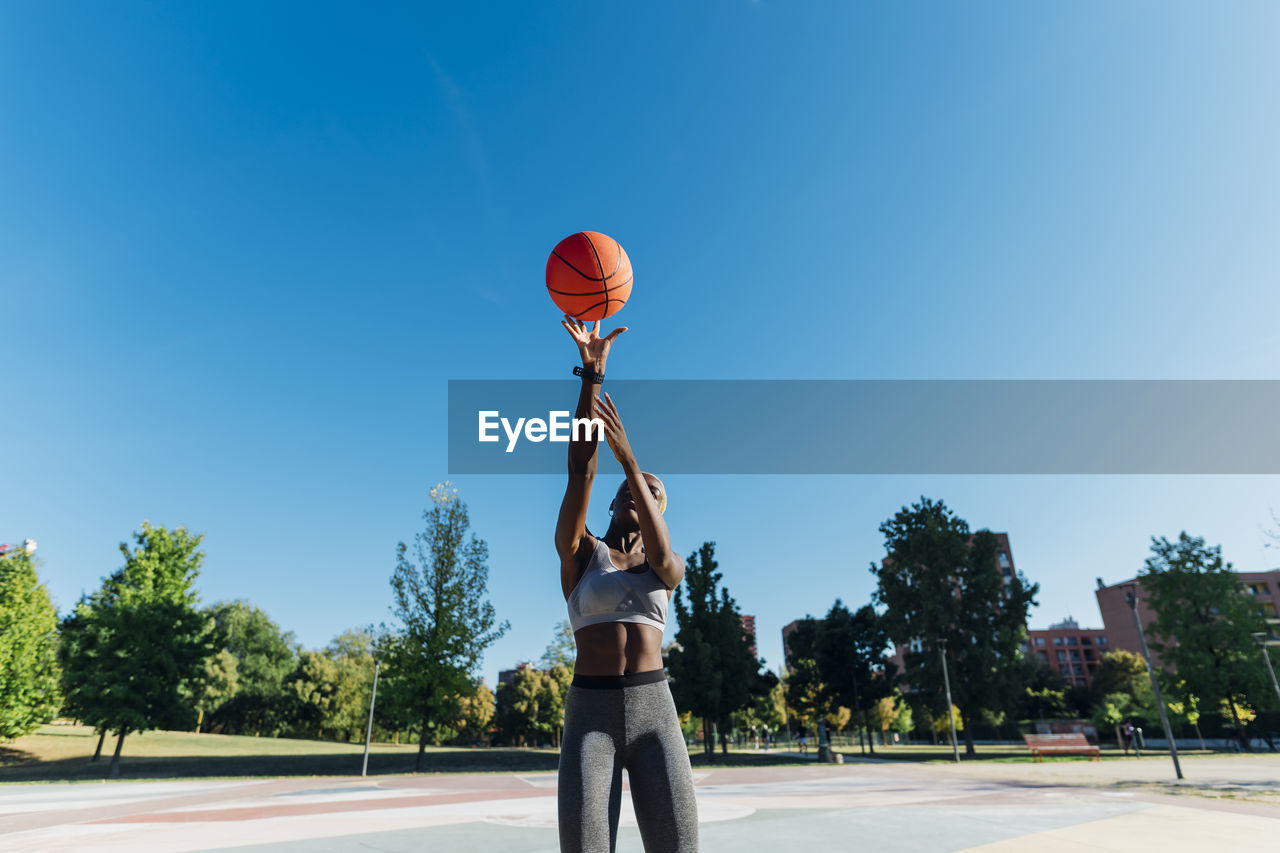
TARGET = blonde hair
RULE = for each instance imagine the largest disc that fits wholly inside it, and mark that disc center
(662, 494)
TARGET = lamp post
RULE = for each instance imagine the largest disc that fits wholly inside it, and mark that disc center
(1155, 685)
(368, 734)
(946, 680)
(1261, 639)
(861, 749)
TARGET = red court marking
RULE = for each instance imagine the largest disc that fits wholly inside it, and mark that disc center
(286, 810)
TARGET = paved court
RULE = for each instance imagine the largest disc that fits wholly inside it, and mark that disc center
(1077, 806)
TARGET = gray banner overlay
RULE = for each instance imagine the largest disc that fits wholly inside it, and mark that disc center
(888, 426)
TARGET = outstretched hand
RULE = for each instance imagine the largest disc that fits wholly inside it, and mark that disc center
(593, 348)
(607, 412)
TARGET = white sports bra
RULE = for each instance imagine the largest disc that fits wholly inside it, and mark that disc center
(606, 593)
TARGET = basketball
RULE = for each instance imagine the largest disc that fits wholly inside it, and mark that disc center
(589, 276)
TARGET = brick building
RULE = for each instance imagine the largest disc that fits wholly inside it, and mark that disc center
(1117, 618)
(1071, 650)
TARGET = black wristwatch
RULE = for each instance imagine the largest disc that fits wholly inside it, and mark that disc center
(589, 375)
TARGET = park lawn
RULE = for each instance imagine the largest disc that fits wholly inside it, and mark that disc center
(60, 753)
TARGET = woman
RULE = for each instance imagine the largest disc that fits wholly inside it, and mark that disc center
(619, 712)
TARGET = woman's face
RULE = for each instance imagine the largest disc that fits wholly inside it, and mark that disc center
(624, 505)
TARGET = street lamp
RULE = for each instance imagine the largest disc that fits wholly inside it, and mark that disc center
(1155, 685)
(368, 733)
(946, 680)
(1261, 639)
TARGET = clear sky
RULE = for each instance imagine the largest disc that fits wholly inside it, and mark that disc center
(243, 247)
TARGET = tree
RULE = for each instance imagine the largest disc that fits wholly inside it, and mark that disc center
(146, 639)
(352, 656)
(940, 582)
(29, 671)
(848, 650)
(219, 683)
(1204, 623)
(563, 648)
(714, 672)
(904, 722)
(266, 657)
(1120, 672)
(475, 713)
(446, 622)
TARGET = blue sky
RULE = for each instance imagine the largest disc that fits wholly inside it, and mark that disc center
(244, 246)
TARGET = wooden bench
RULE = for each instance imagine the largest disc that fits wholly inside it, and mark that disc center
(1061, 744)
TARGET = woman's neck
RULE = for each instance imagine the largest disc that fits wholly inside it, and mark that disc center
(626, 541)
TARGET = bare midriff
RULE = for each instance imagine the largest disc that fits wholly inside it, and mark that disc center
(617, 648)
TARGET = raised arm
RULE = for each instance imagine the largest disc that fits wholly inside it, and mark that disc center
(666, 563)
(571, 526)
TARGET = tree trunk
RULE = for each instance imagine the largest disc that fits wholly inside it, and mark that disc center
(871, 744)
(102, 735)
(199, 719)
(707, 743)
(113, 772)
(1196, 725)
(422, 746)
(968, 735)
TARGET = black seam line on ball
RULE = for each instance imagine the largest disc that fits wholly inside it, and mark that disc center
(590, 308)
(609, 289)
(575, 269)
(603, 277)
(616, 266)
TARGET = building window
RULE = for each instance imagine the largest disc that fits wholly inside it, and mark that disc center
(1085, 641)
(1102, 641)
(1071, 641)
(1039, 641)
(1044, 656)
(1057, 641)
(1004, 560)
(1075, 655)
(1062, 655)
(1077, 669)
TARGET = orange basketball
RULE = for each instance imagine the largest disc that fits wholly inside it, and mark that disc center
(589, 275)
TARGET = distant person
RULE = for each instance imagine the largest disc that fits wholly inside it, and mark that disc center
(1126, 732)
(802, 736)
(619, 713)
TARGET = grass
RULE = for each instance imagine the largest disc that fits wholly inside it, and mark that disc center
(62, 753)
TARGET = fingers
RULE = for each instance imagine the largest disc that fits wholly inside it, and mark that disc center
(595, 329)
(614, 333)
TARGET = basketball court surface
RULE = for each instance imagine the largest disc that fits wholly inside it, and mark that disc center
(1228, 803)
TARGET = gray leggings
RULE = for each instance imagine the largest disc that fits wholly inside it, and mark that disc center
(616, 722)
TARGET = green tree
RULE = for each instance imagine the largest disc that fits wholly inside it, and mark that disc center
(219, 683)
(352, 655)
(1045, 703)
(849, 650)
(904, 722)
(147, 639)
(1120, 672)
(714, 672)
(29, 671)
(940, 582)
(563, 648)
(266, 657)
(529, 706)
(1204, 622)
(1112, 710)
(475, 714)
(446, 621)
